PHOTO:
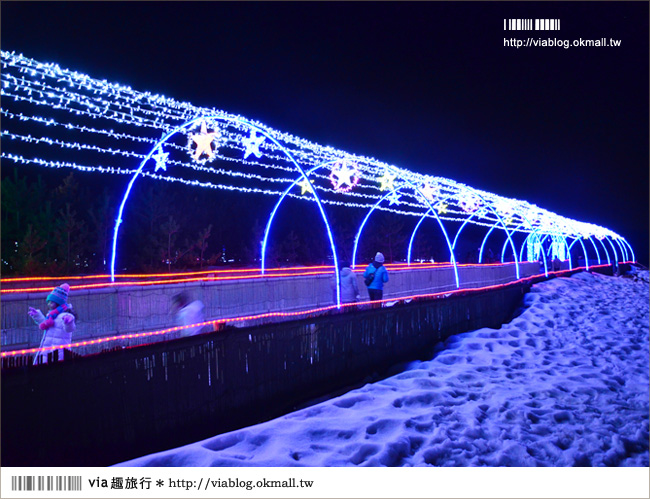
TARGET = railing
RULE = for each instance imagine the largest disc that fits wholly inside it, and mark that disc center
(120, 310)
(123, 404)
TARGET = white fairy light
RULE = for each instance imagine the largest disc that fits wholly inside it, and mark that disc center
(68, 101)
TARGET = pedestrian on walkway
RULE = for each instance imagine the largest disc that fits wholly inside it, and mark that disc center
(188, 313)
(375, 276)
(58, 325)
(348, 283)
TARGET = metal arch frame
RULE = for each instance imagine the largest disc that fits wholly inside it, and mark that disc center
(165, 137)
(609, 260)
(275, 208)
(623, 249)
(422, 219)
(613, 248)
(521, 248)
(505, 243)
(415, 188)
(486, 206)
(579, 239)
(595, 248)
(521, 252)
(505, 228)
(563, 237)
(508, 234)
(629, 246)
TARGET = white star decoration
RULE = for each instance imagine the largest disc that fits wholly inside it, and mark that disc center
(393, 198)
(343, 176)
(469, 203)
(429, 192)
(161, 159)
(253, 144)
(203, 142)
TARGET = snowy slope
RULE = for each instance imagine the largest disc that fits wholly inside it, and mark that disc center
(564, 384)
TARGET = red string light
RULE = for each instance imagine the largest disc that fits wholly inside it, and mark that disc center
(285, 314)
(211, 276)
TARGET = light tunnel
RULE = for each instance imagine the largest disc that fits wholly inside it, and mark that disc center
(87, 108)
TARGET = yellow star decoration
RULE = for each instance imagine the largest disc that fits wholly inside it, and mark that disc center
(507, 220)
(203, 142)
(387, 182)
(305, 186)
(442, 208)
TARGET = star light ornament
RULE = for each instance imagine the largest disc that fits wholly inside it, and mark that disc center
(393, 198)
(253, 144)
(469, 203)
(204, 141)
(344, 177)
(305, 186)
(442, 208)
(161, 159)
(387, 181)
(430, 192)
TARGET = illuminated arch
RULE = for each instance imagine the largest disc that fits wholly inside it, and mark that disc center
(508, 238)
(630, 247)
(417, 226)
(578, 239)
(188, 124)
(275, 209)
(613, 248)
(609, 260)
(521, 252)
(417, 190)
(590, 238)
(561, 236)
(489, 206)
(623, 249)
(486, 206)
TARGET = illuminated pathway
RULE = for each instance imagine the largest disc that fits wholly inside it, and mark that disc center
(499, 275)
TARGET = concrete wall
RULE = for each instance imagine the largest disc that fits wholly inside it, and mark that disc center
(119, 310)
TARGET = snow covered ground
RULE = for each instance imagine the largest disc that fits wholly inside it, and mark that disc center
(564, 384)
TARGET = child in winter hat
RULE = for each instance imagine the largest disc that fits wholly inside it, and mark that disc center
(57, 301)
(59, 323)
(379, 257)
(59, 295)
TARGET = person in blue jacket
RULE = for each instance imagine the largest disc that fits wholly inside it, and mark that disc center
(379, 276)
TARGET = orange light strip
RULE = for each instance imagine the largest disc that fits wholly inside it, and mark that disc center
(149, 276)
(196, 273)
(394, 266)
(153, 283)
(280, 314)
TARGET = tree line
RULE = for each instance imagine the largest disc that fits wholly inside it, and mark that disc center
(54, 224)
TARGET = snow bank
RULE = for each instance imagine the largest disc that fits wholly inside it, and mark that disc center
(564, 384)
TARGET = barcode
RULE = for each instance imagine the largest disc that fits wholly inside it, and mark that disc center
(531, 24)
(46, 482)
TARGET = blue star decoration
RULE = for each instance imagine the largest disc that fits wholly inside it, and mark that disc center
(253, 144)
(393, 198)
(161, 159)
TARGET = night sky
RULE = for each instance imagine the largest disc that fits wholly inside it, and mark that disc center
(427, 86)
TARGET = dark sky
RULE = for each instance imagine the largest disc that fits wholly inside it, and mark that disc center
(427, 86)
